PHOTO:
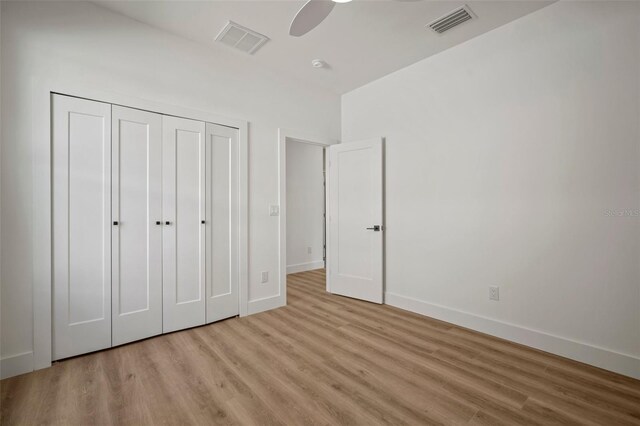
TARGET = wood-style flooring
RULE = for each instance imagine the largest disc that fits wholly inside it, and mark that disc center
(323, 359)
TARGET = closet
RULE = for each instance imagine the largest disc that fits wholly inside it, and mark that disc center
(145, 224)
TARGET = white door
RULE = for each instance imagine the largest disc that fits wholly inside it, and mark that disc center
(355, 240)
(81, 226)
(183, 202)
(222, 222)
(137, 239)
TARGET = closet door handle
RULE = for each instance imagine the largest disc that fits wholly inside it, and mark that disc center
(115, 222)
(158, 222)
(167, 223)
(202, 222)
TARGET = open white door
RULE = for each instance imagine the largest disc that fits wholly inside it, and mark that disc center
(355, 238)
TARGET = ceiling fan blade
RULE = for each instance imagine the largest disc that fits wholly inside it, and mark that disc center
(309, 16)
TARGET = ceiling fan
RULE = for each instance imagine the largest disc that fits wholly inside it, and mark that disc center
(311, 15)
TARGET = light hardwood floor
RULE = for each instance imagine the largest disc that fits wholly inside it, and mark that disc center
(323, 359)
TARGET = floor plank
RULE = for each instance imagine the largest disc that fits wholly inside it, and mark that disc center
(323, 359)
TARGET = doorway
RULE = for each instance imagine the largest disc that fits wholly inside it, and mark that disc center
(303, 203)
(336, 192)
(306, 206)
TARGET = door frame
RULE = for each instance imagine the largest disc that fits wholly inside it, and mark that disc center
(42, 279)
(285, 135)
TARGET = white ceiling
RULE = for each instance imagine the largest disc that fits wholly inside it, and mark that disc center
(361, 41)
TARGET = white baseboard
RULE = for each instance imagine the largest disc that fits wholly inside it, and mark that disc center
(16, 364)
(302, 267)
(593, 355)
(268, 303)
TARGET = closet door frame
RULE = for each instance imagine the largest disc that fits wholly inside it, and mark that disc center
(41, 107)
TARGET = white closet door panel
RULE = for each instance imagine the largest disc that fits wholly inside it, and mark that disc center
(81, 226)
(137, 240)
(222, 222)
(184, 234)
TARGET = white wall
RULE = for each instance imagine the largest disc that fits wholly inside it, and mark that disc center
(305, 206)
(504, 158)
(80, 43)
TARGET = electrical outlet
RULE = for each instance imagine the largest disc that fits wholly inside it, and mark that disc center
(494, 293)
(265, 277)
(308, 250)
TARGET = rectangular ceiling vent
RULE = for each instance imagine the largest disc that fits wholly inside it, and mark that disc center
(452, 19)
(241, 38)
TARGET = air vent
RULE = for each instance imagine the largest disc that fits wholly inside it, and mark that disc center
(452, 19)
(241, 38)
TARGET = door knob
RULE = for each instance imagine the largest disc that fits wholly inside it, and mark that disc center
(202, 222)
(158, 222)
(167, 223)
(376, 228)
(115, 222)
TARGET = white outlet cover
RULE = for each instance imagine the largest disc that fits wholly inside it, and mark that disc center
(494, 293)
(265, 277)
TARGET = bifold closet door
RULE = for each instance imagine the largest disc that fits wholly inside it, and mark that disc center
(137, 237)
(81, 155)
(222, 222)
(183, 178)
